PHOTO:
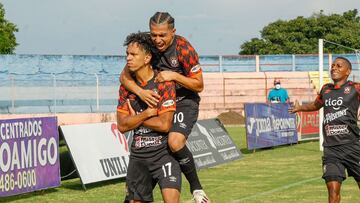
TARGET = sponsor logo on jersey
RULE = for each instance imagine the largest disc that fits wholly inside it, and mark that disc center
(142, 130)
(174, 61)
(334, 103)
(332, 130)
(195, 69)
(148, 141)
(347, 90)
(168, 103)
(332, 116)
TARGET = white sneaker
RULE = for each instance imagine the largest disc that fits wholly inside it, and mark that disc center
(200, 197)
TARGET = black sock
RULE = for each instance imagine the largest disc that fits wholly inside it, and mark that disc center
(187, 165)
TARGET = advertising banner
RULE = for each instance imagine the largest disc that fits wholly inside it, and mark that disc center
(211, 145)
(269, 125)
(99, 151)
(29, 155)
(308, 125)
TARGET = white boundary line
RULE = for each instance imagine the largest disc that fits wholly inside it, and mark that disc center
(275, 190)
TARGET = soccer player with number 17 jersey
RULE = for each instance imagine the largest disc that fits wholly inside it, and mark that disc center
(177, 61)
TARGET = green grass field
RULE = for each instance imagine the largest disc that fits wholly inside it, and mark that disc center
(282, 174)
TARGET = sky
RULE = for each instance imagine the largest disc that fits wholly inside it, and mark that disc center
(99, 27)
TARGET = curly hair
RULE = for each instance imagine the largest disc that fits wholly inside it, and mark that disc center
(143, 40)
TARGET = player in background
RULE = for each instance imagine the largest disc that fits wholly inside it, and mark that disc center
(341, 100)
(150, 161)
(178, 61)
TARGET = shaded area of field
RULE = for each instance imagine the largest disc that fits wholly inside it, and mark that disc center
(281, 174)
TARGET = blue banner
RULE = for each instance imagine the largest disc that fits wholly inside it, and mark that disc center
(269, 125)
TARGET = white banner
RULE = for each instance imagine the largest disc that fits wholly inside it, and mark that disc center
(99, 151)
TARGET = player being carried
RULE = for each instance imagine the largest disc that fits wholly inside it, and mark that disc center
(341, 102)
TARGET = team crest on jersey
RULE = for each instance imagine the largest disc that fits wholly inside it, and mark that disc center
(174, 61)
(347, 90)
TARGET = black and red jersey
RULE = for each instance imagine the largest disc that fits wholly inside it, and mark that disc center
(341, 104)
(146, 142)
(182, 58)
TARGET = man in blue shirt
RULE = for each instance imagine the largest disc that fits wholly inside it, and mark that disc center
(278, 94)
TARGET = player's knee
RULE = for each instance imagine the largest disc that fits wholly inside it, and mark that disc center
(334, 193)
(176, 141)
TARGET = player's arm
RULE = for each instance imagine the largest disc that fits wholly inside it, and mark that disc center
(166, 108)
(189, 59)
(148, 96)
(194, 83)
(160, 123)
(126, 122)
(313, 106)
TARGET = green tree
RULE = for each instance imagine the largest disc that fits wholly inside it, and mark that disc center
(7, 36)
(300, 35)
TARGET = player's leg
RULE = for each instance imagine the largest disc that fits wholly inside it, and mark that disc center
(333, 191)
(184, 120)
(333, 172)
(185, 158)
(170, 195)
(138, 182)
(352, 161)
(166, 171)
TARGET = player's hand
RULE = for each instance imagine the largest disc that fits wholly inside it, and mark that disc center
(132, 111)
(151, 111)
(165, 76)
(150, 97)
(295, 108)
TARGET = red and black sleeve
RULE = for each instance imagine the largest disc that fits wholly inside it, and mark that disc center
(122, 106)
(188, 57)
(357, 87)
(167, 93)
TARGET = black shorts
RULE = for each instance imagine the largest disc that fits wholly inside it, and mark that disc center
(143, 175)
(185, 117)
(338, 158)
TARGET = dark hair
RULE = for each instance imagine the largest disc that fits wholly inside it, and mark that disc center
(142, 39)
(162, 17)
(346, 61)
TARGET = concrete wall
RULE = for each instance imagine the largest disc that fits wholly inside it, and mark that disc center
(222, 92)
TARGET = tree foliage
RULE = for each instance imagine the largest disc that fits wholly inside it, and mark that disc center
(300, 35)
(7, 36)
